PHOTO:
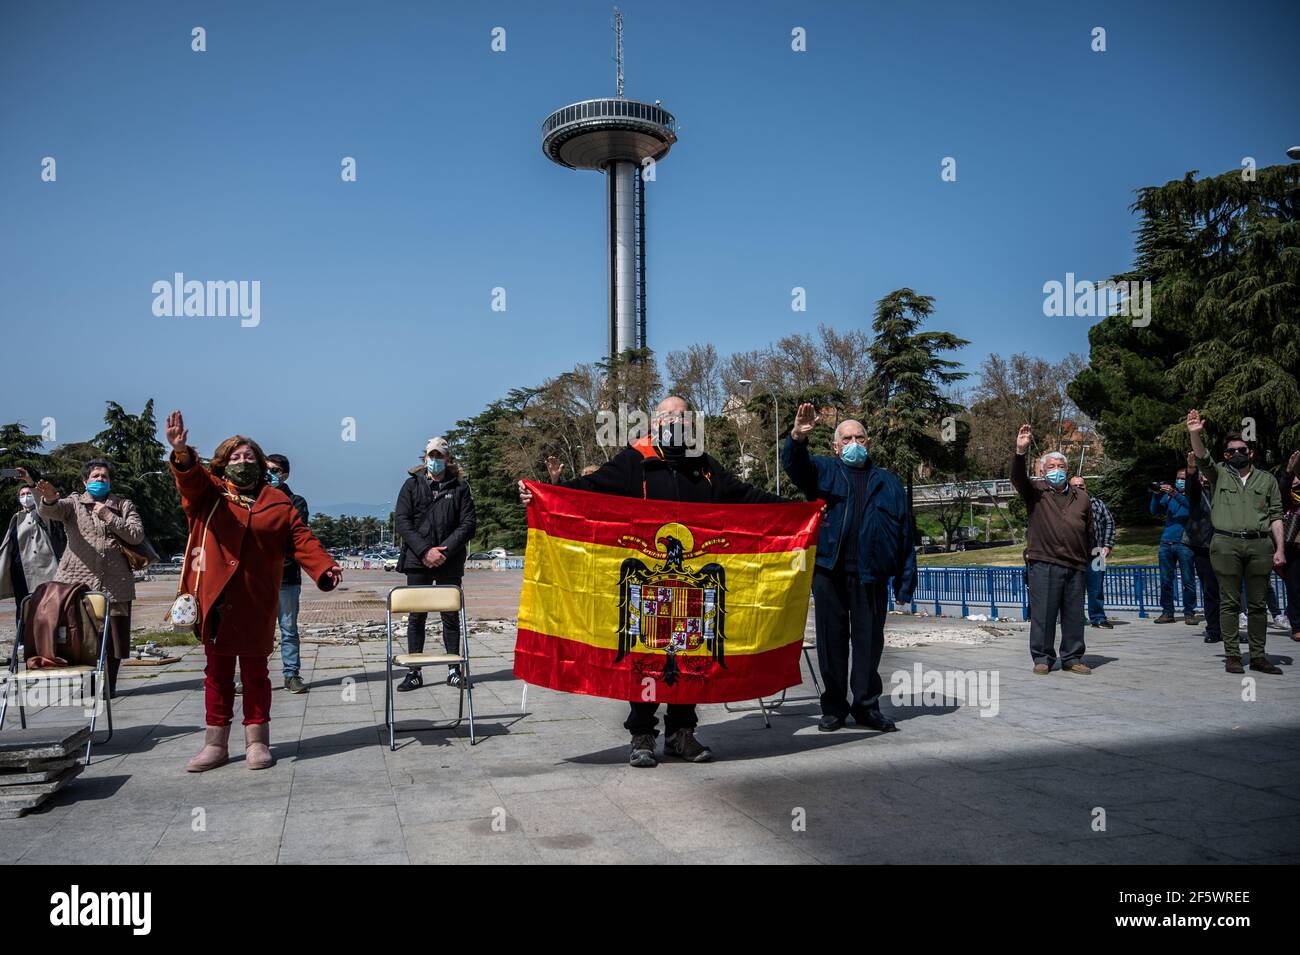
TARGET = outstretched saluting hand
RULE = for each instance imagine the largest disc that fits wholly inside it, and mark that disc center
(1023, 437)
(805, 420)
(1194, 426)
(178, 436)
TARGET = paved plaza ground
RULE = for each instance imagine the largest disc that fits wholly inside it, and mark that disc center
(1157, 743)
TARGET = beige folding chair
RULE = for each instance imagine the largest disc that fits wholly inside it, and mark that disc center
(97, 605)
(429, 598)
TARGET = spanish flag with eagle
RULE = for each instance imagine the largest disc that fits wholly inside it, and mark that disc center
(707, 602)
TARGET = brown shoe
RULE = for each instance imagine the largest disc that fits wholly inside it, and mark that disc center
(1042, 668)
(1263, 666)
(1077, 668)
(1233, 665)
(215, 751)
(1189, 619)
(684, 745)
(1163, 618)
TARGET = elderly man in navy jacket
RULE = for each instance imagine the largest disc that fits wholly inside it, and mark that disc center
(865, 539)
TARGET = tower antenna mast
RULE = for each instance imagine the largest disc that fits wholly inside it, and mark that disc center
(618, 52)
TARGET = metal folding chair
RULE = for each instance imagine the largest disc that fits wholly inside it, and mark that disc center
(764, 706)
(98, 606)
(429, 598)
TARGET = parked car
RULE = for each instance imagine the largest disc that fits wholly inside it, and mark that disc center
(390, 563)
(178, 559)
(481, 555)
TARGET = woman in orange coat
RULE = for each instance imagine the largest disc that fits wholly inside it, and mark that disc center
(250, 526)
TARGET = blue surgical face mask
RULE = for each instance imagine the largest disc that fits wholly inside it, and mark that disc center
(854, 455)
(273, 479)
(1180, 484)
(98, 489)
(436, 466)
(1056, 477)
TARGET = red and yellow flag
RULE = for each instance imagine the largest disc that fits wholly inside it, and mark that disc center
(664, 601)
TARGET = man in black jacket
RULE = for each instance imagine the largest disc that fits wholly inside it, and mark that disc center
(435, 519)
(277, 473)
(659, 468)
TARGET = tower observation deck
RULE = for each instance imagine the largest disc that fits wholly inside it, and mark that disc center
(618, 137)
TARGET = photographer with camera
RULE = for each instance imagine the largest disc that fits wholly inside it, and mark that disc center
(1170, 501)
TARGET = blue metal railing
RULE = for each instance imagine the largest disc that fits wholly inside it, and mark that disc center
(1002, 589)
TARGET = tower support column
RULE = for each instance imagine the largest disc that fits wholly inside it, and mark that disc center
(625, 327)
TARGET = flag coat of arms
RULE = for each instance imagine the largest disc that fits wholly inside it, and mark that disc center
(664, 601)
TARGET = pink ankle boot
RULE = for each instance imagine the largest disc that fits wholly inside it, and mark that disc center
(215, 751)
(257, 745)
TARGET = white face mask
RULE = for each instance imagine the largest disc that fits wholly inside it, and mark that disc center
(27, 501)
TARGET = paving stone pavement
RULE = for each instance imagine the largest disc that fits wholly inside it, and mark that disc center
(1158, 738)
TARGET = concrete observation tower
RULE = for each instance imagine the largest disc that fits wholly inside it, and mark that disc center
(618, 137)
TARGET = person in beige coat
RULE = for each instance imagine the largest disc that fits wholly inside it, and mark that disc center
(97, 522)
(29, 553)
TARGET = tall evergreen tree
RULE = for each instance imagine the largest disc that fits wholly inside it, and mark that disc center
(130, 442)
(1223, 257)
(905, 400)
(21, 450)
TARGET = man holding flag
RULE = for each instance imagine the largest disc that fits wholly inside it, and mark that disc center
(669, 618)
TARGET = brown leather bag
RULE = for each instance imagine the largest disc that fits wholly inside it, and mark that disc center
(137, 557)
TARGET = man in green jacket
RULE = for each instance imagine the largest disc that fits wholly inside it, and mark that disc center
(1246, 510)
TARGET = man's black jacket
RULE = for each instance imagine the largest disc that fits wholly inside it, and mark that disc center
(640, 470)
(292, 572)
(434, 514)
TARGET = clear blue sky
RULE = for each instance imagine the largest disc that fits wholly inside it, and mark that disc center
(817, 169)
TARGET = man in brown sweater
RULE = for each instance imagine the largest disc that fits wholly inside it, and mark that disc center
(1056, 557)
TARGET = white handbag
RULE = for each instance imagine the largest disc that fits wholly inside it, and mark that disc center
(184, 611)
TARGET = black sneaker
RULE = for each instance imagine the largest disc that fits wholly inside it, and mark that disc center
(1104, 624)
(1211, 638)
(295, 684)
(414, 680)
(684, 745)
(642, 755)
(454, 676)
(829, 724)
